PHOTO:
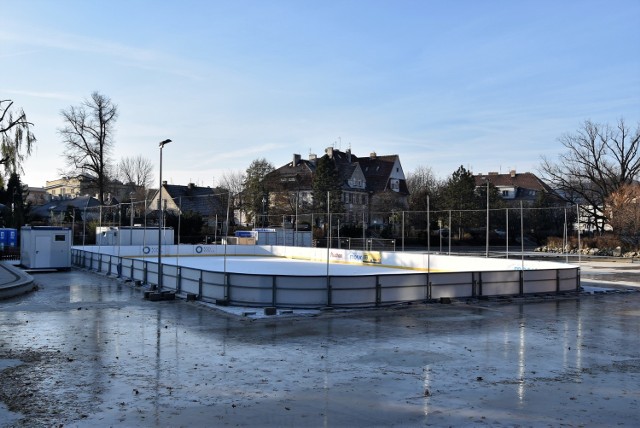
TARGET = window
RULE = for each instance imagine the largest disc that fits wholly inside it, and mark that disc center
(59, 238)
(505, 193)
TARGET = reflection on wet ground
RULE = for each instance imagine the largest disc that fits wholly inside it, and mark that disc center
(92, 352)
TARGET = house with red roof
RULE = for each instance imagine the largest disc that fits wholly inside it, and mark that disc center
(514, 186)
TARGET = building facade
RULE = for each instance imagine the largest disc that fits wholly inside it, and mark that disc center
(370, 186)
(514, 186)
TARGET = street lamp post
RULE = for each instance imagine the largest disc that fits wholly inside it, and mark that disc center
(264, 200)
(160, 218)
(487, 237)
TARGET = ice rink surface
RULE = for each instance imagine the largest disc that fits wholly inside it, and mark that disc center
(281, 266)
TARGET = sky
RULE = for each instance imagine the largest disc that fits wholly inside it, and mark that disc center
(490, 85)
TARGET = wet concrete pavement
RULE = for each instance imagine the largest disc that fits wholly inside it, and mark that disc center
(87, 350)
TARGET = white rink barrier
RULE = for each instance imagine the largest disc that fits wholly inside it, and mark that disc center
(430, 276)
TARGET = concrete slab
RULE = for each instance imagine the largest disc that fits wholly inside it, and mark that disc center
(13, 281)
(93, 352)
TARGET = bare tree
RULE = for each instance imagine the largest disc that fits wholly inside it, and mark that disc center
(233, 181)
(422, 183)
(88, 137)
(623, 208)
(599, 159)
(136, 172)
(17, 138)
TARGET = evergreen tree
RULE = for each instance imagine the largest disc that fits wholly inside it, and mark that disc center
(190, 224)
(326, 179)
(14, 199)
(459, 195)
(256, 196)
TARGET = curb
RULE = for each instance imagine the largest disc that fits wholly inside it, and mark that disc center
(20, 283)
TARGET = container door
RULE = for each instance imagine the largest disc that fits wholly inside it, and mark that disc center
(42, 258)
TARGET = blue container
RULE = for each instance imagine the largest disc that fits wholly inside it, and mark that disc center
(12, 238)
(8, 237)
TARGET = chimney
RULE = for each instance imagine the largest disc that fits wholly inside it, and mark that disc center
(190, 186)
(164, 183)
(513, 173)
(349, 155)
(313, 158)
(373, 155)
(296, 160)
(329, 152)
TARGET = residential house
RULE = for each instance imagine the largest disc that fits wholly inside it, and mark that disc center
(209, 202)
(371, 186)
(514, 186)
(293, 182)
(386, 185)
(62, 211)
(37, 196)
(84, 184)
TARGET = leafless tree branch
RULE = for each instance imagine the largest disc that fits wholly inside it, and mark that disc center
(598, 160)
(88, 137)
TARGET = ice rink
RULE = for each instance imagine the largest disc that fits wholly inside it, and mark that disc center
(86, 350)
(282, 266)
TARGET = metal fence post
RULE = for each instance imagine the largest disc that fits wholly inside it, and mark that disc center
(521, 291)
(273, 290)
(145, 275)
(178, 279)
